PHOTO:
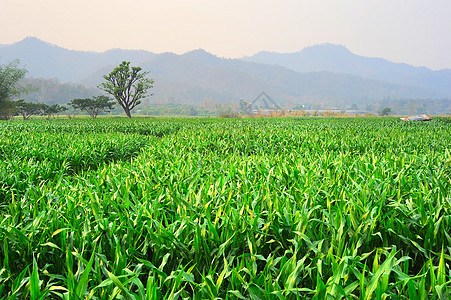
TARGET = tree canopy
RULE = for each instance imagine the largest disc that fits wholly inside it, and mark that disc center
(52, 110)
(245, 107)
(93, 106)
(385, 112)
(27, 109)
(128, 85)
(10, 75)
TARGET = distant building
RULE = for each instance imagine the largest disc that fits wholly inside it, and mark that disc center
(264, 104)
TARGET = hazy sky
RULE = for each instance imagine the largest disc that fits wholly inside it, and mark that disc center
(417, 32)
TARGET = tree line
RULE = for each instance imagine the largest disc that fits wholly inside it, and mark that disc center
(128, 85)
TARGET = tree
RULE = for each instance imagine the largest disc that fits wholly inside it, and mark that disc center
(245, 107)
(27, 109)
(385, 112)
(51, 110)
(127, 85)
(10, 75)
(7, 109)
(93, 106)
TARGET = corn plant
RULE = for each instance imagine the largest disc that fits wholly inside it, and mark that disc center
(295, 208)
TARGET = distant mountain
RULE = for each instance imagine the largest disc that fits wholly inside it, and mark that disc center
(196, 75)
(328, 74)
(46, 60)
(338, 59)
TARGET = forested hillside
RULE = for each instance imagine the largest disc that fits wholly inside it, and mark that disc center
(51, 91)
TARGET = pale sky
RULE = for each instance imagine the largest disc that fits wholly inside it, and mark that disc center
(417, 32)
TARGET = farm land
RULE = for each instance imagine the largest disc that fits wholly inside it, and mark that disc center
(210, 208)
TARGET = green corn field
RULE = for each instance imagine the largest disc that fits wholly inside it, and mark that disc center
(209, 208)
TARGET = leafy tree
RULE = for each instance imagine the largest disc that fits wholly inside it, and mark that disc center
(245, 107)
(27, 109)
(52, 110)
(10, 75)
(127, 85)
(7, 109)
(385, 112)
(93, 106)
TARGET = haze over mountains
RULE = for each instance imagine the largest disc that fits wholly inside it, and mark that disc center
(336, 58)
(327, 74)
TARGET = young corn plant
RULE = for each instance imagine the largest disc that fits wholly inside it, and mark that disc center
(273, 208)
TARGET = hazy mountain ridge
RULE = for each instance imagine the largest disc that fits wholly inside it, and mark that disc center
(49, 61)
(338, 59)
(248, 79)
(197, 75)
(228, 80)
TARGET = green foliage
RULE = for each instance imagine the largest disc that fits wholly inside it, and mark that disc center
(245, 107)
(10, 75)
(7, 109)
(127, 85)
(385, 112)
(52, 110)
(27, 109)
(93, 106)
(208, 208)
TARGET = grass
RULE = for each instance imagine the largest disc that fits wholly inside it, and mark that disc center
(225, 208)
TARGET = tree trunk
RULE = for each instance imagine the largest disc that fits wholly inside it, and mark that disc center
(127, 112)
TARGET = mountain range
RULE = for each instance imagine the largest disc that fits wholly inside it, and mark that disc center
(338, 59)
(327, 74)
